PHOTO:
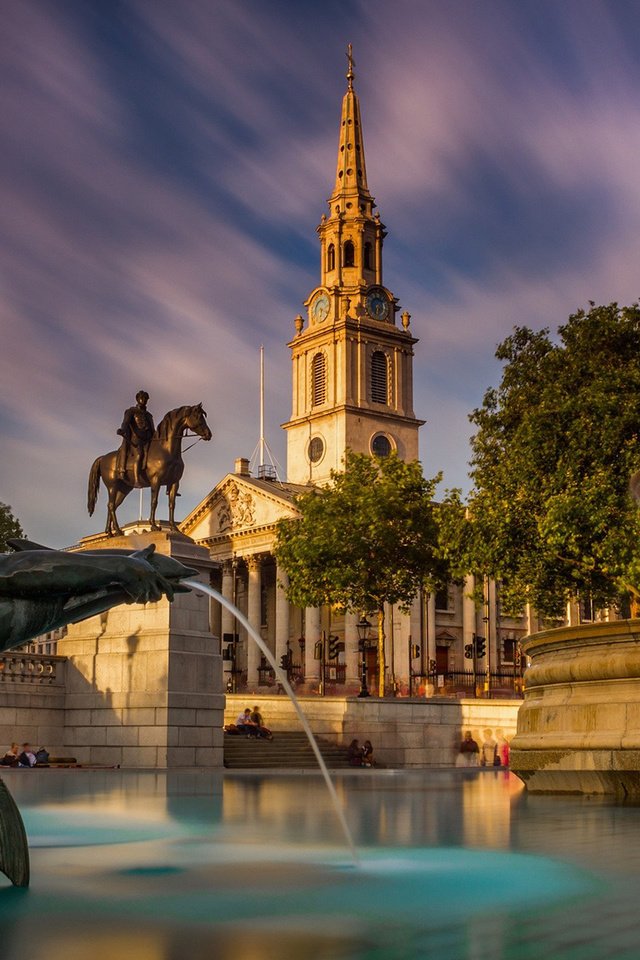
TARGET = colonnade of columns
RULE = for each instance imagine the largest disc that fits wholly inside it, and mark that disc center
(295, 631)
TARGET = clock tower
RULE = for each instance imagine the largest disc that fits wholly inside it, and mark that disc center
(352, 361)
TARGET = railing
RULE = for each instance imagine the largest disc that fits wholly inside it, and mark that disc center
(32, 668)
(505, 683)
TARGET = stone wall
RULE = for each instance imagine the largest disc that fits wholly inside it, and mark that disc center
(32, 701)
(143, 681)
(404, 732)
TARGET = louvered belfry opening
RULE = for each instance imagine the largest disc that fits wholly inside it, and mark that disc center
(379, 377)
(318, 380)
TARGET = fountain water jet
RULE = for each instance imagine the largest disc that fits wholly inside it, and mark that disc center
(282, 678)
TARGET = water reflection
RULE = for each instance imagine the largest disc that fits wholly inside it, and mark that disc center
(456, 864)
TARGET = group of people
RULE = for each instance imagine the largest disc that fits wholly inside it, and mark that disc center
(360, 756)
(251, 724)
(24, 756)
(494, 752)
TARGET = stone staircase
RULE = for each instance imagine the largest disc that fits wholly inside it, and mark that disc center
(287, 749)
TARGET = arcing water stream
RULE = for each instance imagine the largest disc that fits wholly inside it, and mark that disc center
(282, 678)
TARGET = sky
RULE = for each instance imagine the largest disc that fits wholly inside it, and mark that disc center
(163, 169)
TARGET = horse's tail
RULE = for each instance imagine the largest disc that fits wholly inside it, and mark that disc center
(94, 486)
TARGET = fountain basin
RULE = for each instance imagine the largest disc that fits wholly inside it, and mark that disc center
(579, 725)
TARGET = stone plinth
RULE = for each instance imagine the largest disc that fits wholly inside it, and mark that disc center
(144, 681)
(579, 725)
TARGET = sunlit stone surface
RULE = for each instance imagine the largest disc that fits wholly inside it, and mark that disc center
(579, 726)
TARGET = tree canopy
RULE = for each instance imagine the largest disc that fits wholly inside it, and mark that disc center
(9, 527)
(366, 539)
(557, 443)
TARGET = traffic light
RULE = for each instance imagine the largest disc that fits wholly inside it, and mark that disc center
(317, 650)
(334, 647)
(415, 651)
(481, 647)
(468, 651)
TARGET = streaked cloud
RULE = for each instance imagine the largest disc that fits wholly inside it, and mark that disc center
(164, 167)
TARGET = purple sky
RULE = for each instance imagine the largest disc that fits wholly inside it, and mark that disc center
(164, 166)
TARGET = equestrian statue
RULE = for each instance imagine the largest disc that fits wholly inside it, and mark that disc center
(147, 457)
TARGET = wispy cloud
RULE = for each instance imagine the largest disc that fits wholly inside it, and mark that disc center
(164, 167)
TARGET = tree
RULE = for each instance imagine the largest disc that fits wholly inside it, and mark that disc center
(367, 539)
(551, 515)
(9, 527)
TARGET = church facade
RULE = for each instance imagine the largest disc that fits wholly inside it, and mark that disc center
(352, 388)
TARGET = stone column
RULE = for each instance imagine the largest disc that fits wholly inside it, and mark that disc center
(312, 633)
(468, 610)
(282, 613)
(254, 566)
(430, 630)
(405, 626)
(351, 651)
(227, 620)
(492, 626)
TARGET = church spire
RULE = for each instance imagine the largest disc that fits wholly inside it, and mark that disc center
(351, 193)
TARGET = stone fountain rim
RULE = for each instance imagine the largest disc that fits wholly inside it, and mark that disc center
(581, 635)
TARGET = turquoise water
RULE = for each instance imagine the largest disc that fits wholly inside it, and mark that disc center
(244, 866)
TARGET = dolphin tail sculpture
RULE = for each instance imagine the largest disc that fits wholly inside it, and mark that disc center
(14, 849)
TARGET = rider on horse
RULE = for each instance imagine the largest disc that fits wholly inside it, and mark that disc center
(137, 431)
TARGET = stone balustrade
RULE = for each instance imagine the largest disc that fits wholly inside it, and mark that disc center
(35, 669)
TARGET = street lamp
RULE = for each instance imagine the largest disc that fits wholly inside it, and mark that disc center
(363, 627)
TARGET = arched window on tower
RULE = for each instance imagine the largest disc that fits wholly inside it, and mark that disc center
(348, 258)
(318, 379)
(331, 257)
(379, 377)
(367, 257)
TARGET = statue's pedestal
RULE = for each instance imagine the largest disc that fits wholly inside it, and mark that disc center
(579, 725)
(144, 682)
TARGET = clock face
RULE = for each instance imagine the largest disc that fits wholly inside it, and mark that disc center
(320, 308)
(377, 304)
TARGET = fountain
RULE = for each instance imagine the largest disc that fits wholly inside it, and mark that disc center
(579, 725)
(284, 680)
(183, 864)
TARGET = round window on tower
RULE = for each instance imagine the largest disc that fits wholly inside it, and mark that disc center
(315, 450)
(381, 445)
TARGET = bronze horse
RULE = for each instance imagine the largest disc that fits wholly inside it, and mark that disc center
(164, 467)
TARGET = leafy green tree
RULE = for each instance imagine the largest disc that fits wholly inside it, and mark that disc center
(9, 527)
(557, 443)
(366, 539)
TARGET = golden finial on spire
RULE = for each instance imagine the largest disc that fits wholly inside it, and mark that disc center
(351, 61)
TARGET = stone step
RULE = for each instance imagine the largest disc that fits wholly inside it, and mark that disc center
(287, 749)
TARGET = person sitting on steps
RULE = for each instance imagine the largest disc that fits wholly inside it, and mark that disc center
(354, 754)
(367, 755)
(263, 732)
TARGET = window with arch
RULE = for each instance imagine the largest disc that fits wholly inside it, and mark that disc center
(331, 257)
(318, 379)
(348, 258)
(379, 377)
(367, 257)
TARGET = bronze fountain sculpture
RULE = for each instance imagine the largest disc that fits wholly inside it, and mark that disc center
(43, 589)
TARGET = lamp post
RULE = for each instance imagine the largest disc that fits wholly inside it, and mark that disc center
(363, 627)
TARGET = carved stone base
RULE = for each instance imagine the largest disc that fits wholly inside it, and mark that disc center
(579, 725)
(14, 849)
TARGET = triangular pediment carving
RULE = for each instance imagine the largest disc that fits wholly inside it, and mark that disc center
(239, 505)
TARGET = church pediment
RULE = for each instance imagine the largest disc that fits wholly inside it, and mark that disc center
(239, 505)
